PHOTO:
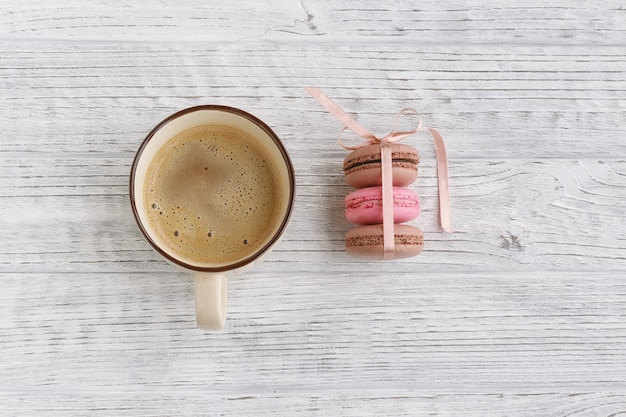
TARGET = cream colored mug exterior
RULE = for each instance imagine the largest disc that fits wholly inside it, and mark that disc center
(210, 280)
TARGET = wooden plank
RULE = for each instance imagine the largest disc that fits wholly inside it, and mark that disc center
(147, 21)
(488, 101)
(316, 334)
(430, 21)
(132, 401)
(72, 214)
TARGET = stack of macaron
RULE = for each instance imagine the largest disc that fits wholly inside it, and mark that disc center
(364, 206)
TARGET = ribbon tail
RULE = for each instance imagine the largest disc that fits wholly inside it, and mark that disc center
(442, 181)
(336, 111)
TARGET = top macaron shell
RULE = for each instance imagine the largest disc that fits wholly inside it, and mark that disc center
(365, 205)
(363, 166)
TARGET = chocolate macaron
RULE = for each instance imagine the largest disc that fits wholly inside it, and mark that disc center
(363, 166)
(366, 242)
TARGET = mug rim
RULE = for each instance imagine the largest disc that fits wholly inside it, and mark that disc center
(291, 180)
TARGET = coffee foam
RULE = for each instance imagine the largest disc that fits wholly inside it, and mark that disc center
(212, 195)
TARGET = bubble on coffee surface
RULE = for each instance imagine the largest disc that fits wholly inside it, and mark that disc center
(217, 194)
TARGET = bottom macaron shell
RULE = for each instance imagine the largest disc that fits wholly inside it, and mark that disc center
(366, 242)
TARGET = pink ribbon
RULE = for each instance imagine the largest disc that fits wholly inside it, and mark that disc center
(386, 164)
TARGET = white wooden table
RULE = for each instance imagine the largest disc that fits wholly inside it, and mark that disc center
(520, 312)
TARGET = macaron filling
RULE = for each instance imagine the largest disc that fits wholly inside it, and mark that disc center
(377, 240)
(353, 165)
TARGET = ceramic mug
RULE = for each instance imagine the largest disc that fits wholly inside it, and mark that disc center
(212, 190)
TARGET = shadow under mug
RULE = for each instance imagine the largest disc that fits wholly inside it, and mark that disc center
(210, 280)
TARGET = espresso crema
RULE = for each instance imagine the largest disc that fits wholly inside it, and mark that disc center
(213, 195)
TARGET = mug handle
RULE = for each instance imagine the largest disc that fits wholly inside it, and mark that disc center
(211, 297)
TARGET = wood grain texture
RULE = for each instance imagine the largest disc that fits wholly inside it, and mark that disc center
(488, 331)
(165, 402)
(519, 312)
(429, 21)
(115, 341)
(500, 102)
(508, 214)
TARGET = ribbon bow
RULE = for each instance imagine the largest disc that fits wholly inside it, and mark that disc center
(386, 162)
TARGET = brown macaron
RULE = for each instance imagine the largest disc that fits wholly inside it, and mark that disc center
(363, 166)
(366, 242)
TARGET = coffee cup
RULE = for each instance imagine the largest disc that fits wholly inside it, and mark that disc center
(212, 190)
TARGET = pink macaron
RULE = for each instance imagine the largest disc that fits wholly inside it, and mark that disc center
(365, 205)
